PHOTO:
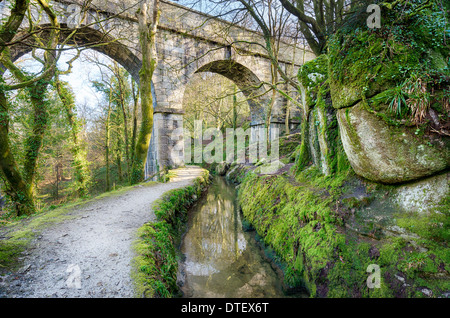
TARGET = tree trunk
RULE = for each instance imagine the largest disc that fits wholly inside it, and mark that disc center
(272, 103)
(127, 141)
(147, 35)
(124, 116)
(119, 159)
(37, 92)
(9, 28)
(16, 188)
(286, 118)
(20, 186)
(119, 168)
(135, 121)
(107, 137)
(235, 108)
(78, 153)
(33, 143)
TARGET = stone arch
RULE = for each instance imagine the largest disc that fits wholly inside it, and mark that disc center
(247, 81)
(86, 37)
(89, 38)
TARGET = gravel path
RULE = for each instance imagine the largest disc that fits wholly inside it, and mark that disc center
(90, 255)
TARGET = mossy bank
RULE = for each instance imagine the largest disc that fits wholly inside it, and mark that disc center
(369, 188)
(328, 230)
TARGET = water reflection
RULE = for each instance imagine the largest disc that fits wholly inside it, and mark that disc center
(221, 260)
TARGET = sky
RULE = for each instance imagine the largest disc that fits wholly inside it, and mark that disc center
(79, 80)
(83, 72)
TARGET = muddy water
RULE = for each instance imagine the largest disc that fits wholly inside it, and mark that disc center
(219, 258)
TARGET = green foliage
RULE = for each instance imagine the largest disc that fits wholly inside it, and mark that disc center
(118, 94)
(406, 60)
(19, 183)
(38, 138)
(77, 147)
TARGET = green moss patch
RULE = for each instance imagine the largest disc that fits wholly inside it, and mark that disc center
(404, 63)
(305, 222)
(296, 221)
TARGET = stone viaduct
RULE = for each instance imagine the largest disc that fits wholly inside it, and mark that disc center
(188, 42)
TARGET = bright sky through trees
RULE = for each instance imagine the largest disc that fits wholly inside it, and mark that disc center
(83, 72)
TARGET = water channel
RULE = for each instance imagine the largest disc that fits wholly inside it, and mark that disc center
(219, 258)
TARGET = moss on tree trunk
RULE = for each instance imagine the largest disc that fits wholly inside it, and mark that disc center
(79, 154)
(16, 187)
(147, 33)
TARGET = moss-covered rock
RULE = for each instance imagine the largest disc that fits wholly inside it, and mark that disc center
(320, 145)
(313, 138)
(355, 64)
(329, 231)
(385, 81)
(311, 75)
(363, 62)
(386, 153)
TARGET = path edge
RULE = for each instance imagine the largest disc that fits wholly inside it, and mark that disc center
(154, 266)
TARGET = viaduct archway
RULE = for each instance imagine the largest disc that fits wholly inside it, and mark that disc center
(188, 42)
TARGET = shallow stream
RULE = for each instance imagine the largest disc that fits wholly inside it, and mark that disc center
(219, 258)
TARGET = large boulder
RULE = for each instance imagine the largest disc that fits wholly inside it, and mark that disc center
(358, 67)
(390, 86)
(387, 153)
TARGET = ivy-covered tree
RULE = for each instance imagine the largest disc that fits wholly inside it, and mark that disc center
(19, 183)
(119, 121)
(148, 18)
(78, 150)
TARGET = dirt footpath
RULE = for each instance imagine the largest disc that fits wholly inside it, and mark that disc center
(90, 255)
